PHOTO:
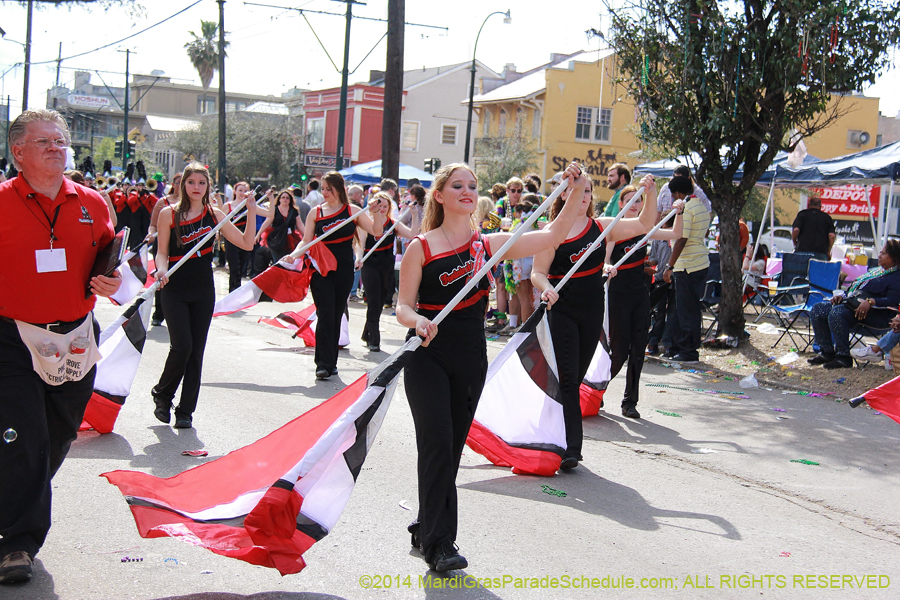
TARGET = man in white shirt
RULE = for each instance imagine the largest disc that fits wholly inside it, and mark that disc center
(314, 197)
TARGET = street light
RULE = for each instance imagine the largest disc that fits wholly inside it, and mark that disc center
(507, 19)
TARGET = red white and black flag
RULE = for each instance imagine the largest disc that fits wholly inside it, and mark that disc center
(282, 282)
(519, 420)
(303, 323)
(593, 387)
(269, 502)
(885, 399)
(121, 345)
(134, 275)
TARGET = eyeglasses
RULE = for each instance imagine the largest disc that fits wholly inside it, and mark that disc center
(44, 143)
(514, 191)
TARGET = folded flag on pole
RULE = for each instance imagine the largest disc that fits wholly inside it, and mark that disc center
(885, 399)
(599, 372)
(282, 282)
(303, 324)
(134, 276)
(519, 420)
(121, 345)
(269, 502)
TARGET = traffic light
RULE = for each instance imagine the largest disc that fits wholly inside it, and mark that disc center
(304, 174)
(295, 172)
(119, 149)
(131, 149)
(429, 165)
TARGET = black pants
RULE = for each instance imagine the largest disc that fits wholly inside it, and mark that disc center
(661, 318)
(443, 385)
(378, 280)
(688, 287)
(330, 296)
(629, 329)
(238, 259)
(575, 340)
(158, 312)
(45, 419)
(188, 315)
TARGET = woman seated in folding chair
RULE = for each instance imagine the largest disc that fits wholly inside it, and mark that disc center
(867, 302)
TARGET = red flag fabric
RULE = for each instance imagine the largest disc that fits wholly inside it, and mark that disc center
(886, 398)
(268, 502)
(299, 322)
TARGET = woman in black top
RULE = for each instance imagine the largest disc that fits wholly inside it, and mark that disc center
(188, 298)
(378, 270)
(330, 293)
(283, 220)
(576, 312)
(444, 377)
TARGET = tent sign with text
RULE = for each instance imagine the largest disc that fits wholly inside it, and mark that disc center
(849, 200)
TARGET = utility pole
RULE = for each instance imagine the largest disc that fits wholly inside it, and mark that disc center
(27, 70)
(222, 163)
(58, 64)
(393, 92)
(125, 109)
(345, 74)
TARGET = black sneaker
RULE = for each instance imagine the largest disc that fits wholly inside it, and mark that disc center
(568, 463)
(685, 358)
(669, 353)
(414, 538)
(447, 558)
(821, 358)
(373, 347)
(839, 362)
(630, 412)
(155, 322)
(182, 423)
(323, 373)
(163, 411)
(18, 567)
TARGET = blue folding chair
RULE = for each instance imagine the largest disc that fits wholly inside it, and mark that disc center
(792, 282)
(822, 280)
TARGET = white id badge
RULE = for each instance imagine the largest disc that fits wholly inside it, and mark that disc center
(50, 261)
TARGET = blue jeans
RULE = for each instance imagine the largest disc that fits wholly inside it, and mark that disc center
(889, 340)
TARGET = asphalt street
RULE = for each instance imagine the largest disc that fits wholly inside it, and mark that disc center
(698, 499)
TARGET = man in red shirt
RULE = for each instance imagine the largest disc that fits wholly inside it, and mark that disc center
(49, 238)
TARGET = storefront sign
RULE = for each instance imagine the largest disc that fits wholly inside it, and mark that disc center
(322, 161)
(849, 200)
(854, 232)
(87, 101)
(595, 163)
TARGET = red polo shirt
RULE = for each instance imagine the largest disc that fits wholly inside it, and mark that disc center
(83, 219)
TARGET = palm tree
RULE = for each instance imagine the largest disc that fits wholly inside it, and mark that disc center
(204, 51)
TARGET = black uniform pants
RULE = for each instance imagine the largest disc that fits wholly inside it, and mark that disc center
(158, 312)
(45, 421)
(330, 295)
(443, 388)
(378, 280)
(188, 315)
(575, 340)
(629, 329)
(238, 259)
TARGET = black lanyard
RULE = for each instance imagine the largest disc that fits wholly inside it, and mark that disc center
(51, 223)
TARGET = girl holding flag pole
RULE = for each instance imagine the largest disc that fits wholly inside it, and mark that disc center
(330, 293)
(576, 318)
(444, 377)
(188, 298)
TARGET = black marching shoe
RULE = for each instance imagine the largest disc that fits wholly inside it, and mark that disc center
(821, 358)
(414, 539)
(17, 567)
(323, 373)
(839, 362)
(447, 558)
(568, 463)
(163, 411)
(630, 412)
(182, 423)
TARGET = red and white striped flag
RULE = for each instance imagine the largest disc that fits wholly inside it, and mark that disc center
(282, 282)
(519, 420)
(121, 345)
(304, 323)
(269, 502)
(134, 276)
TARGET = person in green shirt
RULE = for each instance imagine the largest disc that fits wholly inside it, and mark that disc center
(617, 178)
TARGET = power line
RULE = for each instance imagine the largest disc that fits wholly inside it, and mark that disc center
(123, 39)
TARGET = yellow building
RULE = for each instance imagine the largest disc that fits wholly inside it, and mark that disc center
(573, 110)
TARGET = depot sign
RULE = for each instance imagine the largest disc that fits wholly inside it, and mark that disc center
(849, 200)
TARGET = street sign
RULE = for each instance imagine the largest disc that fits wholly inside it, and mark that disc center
(321, 161)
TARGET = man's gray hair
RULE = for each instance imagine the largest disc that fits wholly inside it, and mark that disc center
(17, 128)
(355, 188)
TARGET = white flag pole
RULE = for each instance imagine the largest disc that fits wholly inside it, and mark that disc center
(384, 236)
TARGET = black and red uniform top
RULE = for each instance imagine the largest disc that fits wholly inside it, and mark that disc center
(82, 227)
(632, 272)
(198, 268)
(585, 288)
(341, 242)
(445, 274)
(384, 246)
(240, 223)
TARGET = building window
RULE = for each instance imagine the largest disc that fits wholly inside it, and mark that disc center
(486, 129)
(501, 128)
(583, 123)
(604, 126)
(536, 124)
(315, 133)
(448, 135)
(206, 105)
(409, 136)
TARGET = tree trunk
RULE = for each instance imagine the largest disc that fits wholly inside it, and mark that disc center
(731, 313)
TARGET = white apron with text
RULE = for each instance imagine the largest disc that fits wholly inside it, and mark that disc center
(61, 357)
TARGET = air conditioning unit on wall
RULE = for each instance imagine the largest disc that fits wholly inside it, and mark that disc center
(860, 138)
